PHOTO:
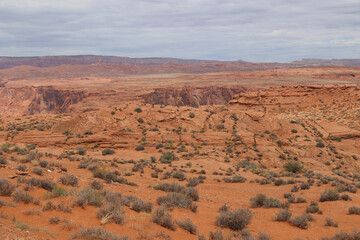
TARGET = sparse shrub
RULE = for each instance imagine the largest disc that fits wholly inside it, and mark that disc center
(32, 211)
(88, 196)
(179, 175)
(295, 188)
(3, 160)
(187, 225)
(167, 157)
(354, 210)
(43, 163)
(140, 206)
(6, 187)
(69, 180)
(293, 166)
(345, 197)
(97, 233)
(81, 151)
(355, 235)
(300, 221)
(217, 235)
(191, 115)
(54, 220)
(283, 215)
(38, 171)
(49, 206)
(21, 196)
(57, 192)
(22, 167)
(235, 179)
(235, 220)
(97, 185)
(37, 182)
(175, 199)
(304, 185)
(258, 200)
(138, 110)
(107, 152)
(193, 182)
(329, 195)
(224, 208)
(331, 223)
(313, 208)
(140, 120)
(263, 236)
(163, 218)
(139, 148)
(271, 202)
(111, 213)
(320, 144)
(261, 200)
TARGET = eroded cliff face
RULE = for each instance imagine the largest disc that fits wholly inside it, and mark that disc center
(193, 96)
(32, 100)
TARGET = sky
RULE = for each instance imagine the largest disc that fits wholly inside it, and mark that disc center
(249, 30)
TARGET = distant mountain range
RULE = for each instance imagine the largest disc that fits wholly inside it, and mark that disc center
(9, 62)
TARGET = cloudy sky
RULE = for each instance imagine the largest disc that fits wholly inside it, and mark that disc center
(251, 30)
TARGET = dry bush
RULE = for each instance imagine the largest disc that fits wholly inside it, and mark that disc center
(6, 187)
(32, 211)
(331, 223)
(283, 215)
(21, 196)
(163, 218)
(354, 210)
(261, 200)
(97, 185)
(88, 196)
(175, 199)
(329, 195)
(258, 200)
(49, 206)
(69, 180)
(38, 171)
(37, 182)
(313, 208)
(6, 203)
(54, 220)
(141, 206)
(235, 220)
(111, 213)
(355, 235)
(97, 233)
(300, 221)
(21, 167)
(187, 225)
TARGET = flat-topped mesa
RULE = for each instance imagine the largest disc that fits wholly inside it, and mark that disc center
(291, 96)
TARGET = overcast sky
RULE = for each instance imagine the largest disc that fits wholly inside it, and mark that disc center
(251, 30)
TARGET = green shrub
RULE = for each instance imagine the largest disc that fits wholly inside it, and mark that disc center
(139, 148)
(138, 110)
(293, 166)
(108, 152)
